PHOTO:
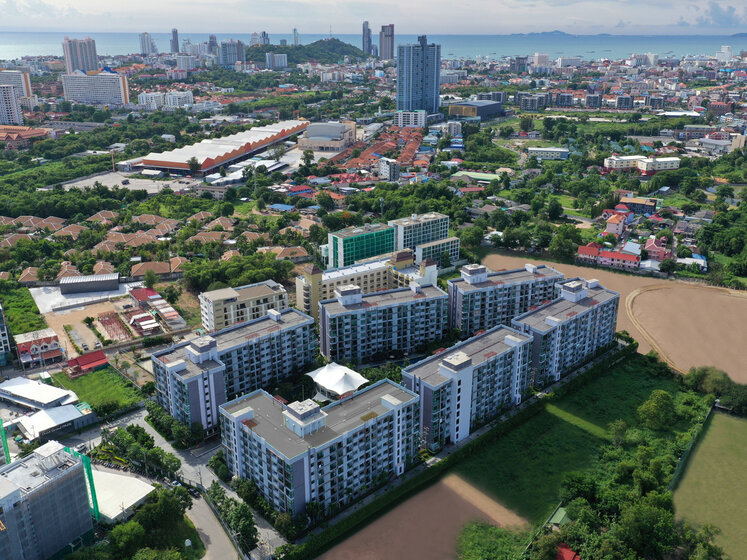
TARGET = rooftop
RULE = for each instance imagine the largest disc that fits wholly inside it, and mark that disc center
(510, 277)
(250, 291)
(479, 349)
(33, 471)
(342, 416)
(354, 231)
(418, 219)
(34, 391)
(384, 299)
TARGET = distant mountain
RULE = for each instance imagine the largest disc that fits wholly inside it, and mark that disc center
(739, 36)
(326, 51)
(554, 33)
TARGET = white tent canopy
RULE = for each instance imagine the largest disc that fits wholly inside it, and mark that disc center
(334, 380)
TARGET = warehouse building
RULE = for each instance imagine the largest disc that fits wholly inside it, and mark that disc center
(90, 283)
(482, 109)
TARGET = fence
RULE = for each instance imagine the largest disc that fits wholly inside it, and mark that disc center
(682, 463)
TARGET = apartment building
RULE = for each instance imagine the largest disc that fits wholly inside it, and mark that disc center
(194, 378)
(417, 119)
(359, 242)
(299, 452)
(152, 101)
(44, 504)
(417, 229)
(482, 299)
(548, 153)
(469, 384)
(355, 327)
(228, 306)
(639, 204)
(5, 346)
(386, 273)
(571, 329)
(19, 80)
(10, 107)
(175, 99)
(80, 54)
(644, 165)
(104, 88)
(435, 251)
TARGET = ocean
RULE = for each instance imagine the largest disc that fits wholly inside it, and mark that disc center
(589, 47)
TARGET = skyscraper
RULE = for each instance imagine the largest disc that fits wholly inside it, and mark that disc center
(264, 38)
(174, 41)
(366, 43)
(296, 41)
(386, 42)
(10, 108)
(418, 76)
(147, 45)
(231, 52)
(212, 44)
(80, 54)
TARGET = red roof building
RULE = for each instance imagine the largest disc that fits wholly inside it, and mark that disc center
(142, 295)
(565, 553)
(88, 362)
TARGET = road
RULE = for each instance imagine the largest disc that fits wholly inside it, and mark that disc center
(217, 544)
(194, 466)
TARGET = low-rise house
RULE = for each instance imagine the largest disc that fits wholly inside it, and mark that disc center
(657, 249)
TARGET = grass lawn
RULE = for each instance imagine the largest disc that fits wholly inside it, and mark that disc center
(713, 488)
(524, 468)
(100, 386)
(186, 530)
(243, 208)
(20, 310)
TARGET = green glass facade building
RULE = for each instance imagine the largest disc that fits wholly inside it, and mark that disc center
(352, 244)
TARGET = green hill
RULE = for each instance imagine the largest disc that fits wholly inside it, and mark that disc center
(326, 51)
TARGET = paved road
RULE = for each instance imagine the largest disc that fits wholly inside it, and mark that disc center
(217, 544)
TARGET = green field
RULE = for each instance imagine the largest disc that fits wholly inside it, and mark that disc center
(713, 488)
(523, 469)
(20, 309)
(97, 387)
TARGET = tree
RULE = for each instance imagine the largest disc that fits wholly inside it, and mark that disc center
(150, 278)
(194, 165)
(126, 539)
(230, 195)
(445, 260)
(277, 152)
(617, 430)
(668, 266)
(151, 554)
(307, 158)
(684, 252)
(525, 123)
(554, 209)
(226, 209)
(324, 200)
(171, 293)
(657, 413)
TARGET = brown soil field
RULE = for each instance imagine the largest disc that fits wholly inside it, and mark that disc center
(695, 325)
(426, 526)
(705, 326)
(74, 317)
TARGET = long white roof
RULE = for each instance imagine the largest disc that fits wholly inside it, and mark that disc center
(35, 391)
(337, 379)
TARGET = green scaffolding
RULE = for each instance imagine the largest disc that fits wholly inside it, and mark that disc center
(86, 460)
(4, 437)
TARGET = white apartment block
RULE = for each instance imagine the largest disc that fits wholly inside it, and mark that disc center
(469, 384)
(418, 229)
(186, 62)
(179, 98)
(194, 378)
(548, 153)
(104, 88)
(435, 250)
(151, 100)
(571, 329)
(411, 118)
(356, 327)
(645, 165)
(222, 308)
(5, 344)
(482, 299)
(299, 452)
(388, 169)
(19, 80)
(387, 273)
(10, 108)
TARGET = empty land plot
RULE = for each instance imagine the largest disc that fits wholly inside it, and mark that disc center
(713, 488)
(695, 326)
(113, 327)
(100, 386)
(74, 317)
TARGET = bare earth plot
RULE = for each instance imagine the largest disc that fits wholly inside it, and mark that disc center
(714, 488)
(426, 526)
(695, 326)
(689, 324)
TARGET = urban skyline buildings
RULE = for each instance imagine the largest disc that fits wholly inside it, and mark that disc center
(147, 44)
(386, 42)
(80, 54)
(418, 76)
(10, 107)
(366, 39)
(174, 41)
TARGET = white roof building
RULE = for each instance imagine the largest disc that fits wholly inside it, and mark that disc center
(333, 381)
(33, 394)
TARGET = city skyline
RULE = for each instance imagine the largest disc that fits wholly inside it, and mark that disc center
(571, 16)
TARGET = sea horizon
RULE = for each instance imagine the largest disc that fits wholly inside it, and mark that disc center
(17, 44)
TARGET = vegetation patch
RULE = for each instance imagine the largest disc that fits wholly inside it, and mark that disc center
(104, 389)
(20, 309)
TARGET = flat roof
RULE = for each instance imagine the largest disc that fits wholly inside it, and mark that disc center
(384, 299)
(235, 335)
(33, 425)
(37, 469)
(439, 242)
(563, 309)
(89, 278)
(342, 416)
(365, 229)
(354, 269)
(509, 277)
(250, 291)
(118, 493)
(35, 391)
(35, 335)
(479, 348)
(418, 219)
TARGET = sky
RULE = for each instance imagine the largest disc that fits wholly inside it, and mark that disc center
(622, 17)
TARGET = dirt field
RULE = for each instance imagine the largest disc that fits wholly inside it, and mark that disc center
(74, 317)
(712, 489)
(426, 526)
(687, 344)
(709, 331)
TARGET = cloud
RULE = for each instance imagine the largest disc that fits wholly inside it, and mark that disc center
(682, 23)
(720, 16)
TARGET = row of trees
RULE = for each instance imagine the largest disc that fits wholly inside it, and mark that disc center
(171, 429)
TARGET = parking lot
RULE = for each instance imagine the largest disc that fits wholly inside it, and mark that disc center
(113, 179)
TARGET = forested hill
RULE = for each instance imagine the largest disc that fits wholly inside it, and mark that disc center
(327, 51)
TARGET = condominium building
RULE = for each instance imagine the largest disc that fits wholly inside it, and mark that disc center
(228, 306)
(276, 61)
(571, 329)
(174, 43)
(386, 42)
(178, 98)
(386, 273)
(194, 378)
(418, 76)
(151, 100)
(44, 504)
(355, 327)
(435, 251)
(417, 119)
(366, 39)
(482, 299)
(186, 62)
(104, 88)
(359, 242)
(5, 347)
(147, 44)
(80, 54)
(644, 165)
(389, 169)
(469, 384)
(231, 52)
(300, 453)
(417, 229)
(19, 80)
(10, 107)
